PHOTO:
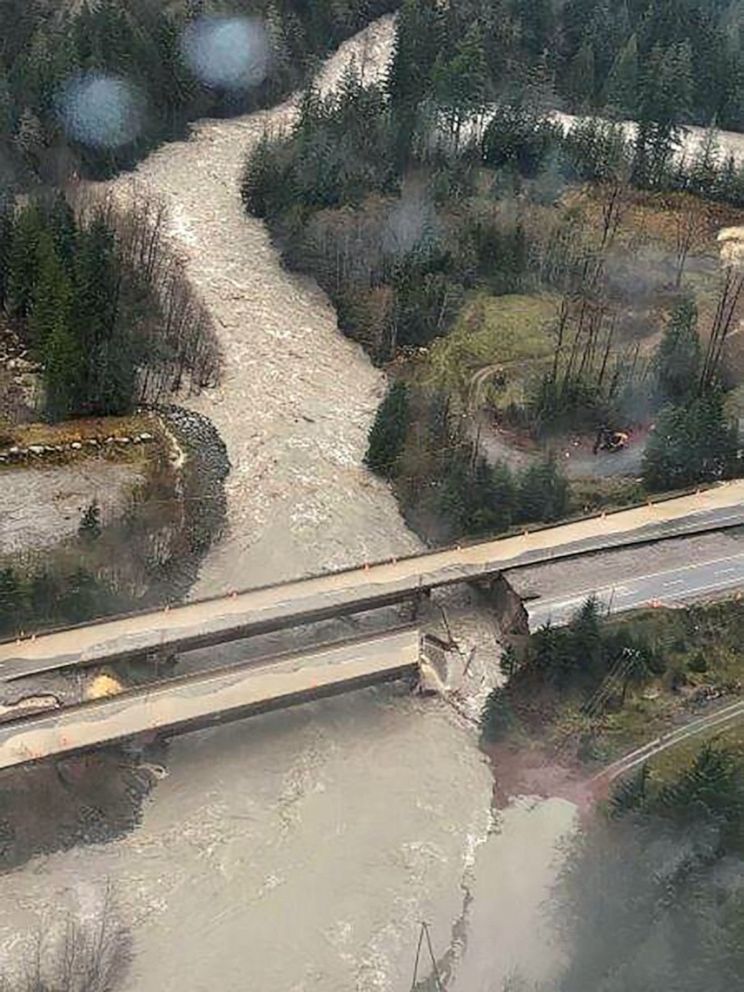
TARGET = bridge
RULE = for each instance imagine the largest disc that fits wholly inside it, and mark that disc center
(192, 701)
(334, 594)
(196, 701)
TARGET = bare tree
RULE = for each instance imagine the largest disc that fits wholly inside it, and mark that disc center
(690, 229)
(723, 319)
(85, 955)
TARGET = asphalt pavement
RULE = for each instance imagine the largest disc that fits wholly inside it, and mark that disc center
(667, 587)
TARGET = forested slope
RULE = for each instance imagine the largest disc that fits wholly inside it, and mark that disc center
(138, 70)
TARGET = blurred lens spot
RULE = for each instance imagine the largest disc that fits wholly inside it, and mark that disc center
(101, 111)
(229, 53)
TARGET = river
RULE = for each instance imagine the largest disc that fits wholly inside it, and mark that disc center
(297, 852)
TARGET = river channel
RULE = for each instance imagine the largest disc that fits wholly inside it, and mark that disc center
(299, 851)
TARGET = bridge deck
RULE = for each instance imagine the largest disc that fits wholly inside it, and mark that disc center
(188, 703)
(255, 611)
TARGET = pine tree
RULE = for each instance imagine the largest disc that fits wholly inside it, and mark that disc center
(6, 241)
(621, 92)
(64, 372)
(11, 601)
(678, 357)
(543, 492)
(497, 718)
(96, 310)
(418, 41)
(52, 295)
(691, 443)
(580, 81)
(388, 433)
(23, 260)
(63, 229)
(460, 83)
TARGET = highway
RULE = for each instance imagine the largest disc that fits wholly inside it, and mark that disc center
(667, 587)
(195, 701)
(241, 614)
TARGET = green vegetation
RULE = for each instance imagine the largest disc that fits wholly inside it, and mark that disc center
(388, 433)
(500, 265)
(99, 301)
(650, 896)
(603, 685)
(48, 46)
(40, 598)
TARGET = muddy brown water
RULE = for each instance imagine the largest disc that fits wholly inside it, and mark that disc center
(298, 852)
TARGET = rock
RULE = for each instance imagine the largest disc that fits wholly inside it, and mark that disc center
(146, 436)
(76, 445)
(36, 449)
(123, 440)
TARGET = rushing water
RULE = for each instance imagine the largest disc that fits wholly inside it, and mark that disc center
(298, 851)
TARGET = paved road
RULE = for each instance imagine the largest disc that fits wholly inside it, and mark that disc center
(243, 613)
(724, 716)
(227, 694)
(668, 587)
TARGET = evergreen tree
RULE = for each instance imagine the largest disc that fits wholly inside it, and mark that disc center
(95, 306)
(509, 662)
(460, 84)
(52, 295)
(580, 80)
(63, 229)
(418, 41)
(691, 443)
(497, 718)
(543, 492)
(621, 91)
(23, 260)
(678, 357)
(664, 103)
(6, 241)
(388, 432)
(64, 373)
(11, 601)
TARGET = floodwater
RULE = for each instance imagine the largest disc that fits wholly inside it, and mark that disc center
(299, 851)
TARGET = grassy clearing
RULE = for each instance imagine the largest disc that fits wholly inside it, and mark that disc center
(512, 330)
(589, 495)
(69, 431)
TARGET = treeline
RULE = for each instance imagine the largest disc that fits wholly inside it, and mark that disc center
(45, 598)
(459, 485)
(46, 46)
(420, 231)
(650, 896)
(588, 660)
(402, 197)
(102, 305)
(634, 58)
(693, 440)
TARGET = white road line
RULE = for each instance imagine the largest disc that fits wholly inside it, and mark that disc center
(620, 590)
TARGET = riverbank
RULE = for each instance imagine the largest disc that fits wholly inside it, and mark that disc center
(267, 856)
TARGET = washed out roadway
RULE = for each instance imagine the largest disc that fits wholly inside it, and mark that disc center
(221, 619)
